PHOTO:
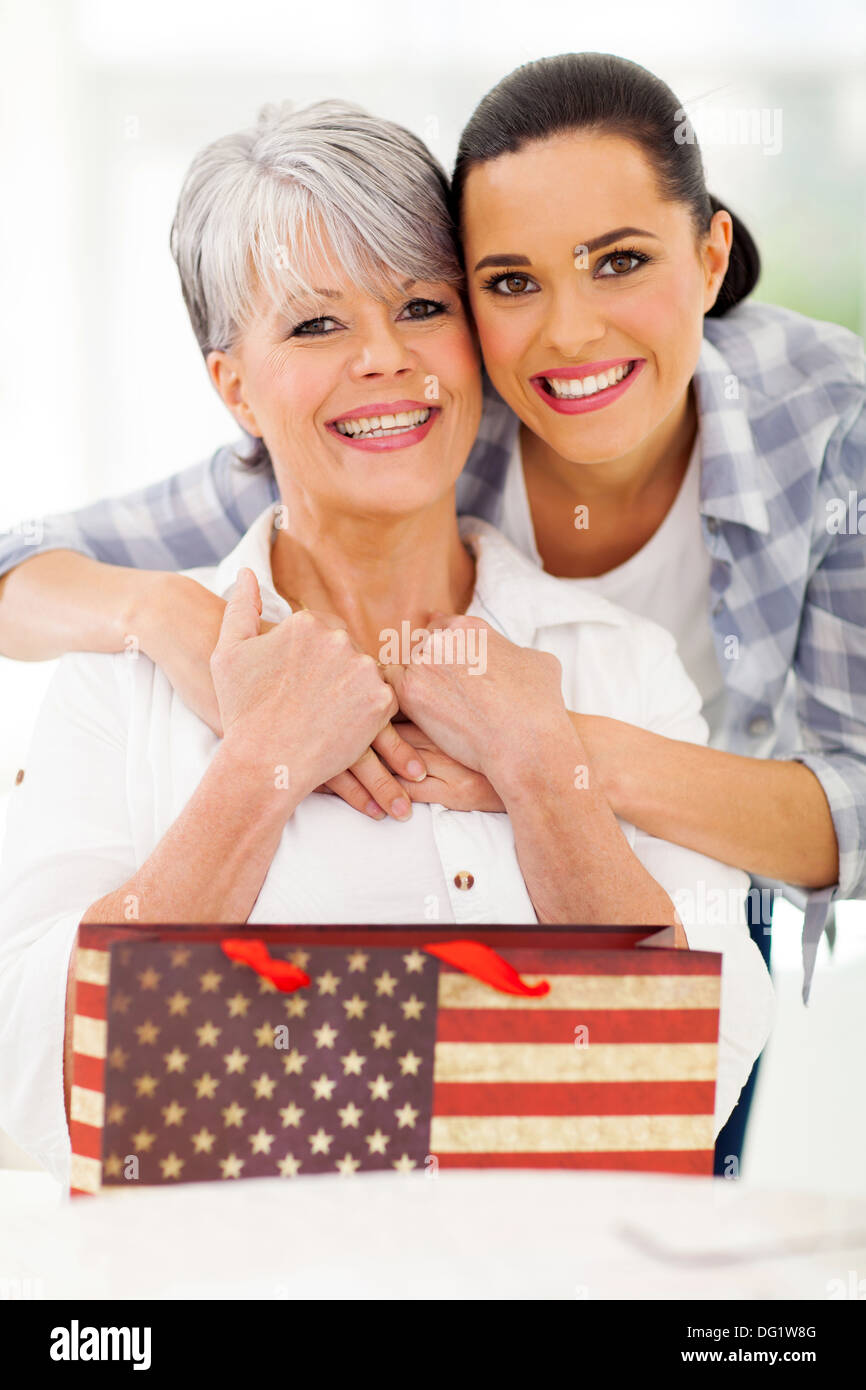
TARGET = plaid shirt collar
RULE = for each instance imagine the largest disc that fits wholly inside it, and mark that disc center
(735, 477)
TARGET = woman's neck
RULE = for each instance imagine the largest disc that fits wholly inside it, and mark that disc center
(621, 481)
(623, 500)
(375, 573)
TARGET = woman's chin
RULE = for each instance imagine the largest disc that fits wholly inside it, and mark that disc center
(403, 496)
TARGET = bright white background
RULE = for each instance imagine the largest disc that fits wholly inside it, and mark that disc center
(104, 102)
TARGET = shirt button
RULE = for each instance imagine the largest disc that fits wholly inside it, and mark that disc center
(759, 725)
(712, 525)
(20, 777)
(464, 879)
(718, 608)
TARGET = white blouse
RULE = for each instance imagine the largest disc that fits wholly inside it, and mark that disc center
(116, 755)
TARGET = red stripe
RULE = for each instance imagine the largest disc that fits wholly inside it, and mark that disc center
(90, 1000)
(558, 1025)
(86, 1140)
(651, 961)
(696, 1161)
(93, 938)
(574, 1098)
(88, 1072)
(338, 934)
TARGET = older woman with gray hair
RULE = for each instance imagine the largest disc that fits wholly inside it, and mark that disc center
(318, 264)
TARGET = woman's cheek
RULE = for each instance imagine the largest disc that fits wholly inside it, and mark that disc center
(455, 362)
(503, 343)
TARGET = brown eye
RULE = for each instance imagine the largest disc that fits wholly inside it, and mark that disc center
(510, 285)
(618, 264)
(420, 309)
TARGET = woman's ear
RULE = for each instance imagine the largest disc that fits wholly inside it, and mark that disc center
(715, 255)
(227, 376)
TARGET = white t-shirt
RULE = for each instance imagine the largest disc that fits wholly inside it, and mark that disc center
(652, 582)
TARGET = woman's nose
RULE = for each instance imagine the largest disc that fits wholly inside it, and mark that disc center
(573, 323)
(382, 351)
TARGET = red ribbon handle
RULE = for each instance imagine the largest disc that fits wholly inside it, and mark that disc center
(282, 973)
(484, 964)
(481, 962)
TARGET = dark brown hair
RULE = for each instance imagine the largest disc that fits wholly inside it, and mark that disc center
(607, 95)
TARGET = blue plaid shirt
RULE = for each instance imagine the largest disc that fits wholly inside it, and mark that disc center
(783, 469)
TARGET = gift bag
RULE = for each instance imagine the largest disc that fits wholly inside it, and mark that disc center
(201, 1053)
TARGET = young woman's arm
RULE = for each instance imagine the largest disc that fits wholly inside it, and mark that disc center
(84, 580)
(770, 817)
(101, 580)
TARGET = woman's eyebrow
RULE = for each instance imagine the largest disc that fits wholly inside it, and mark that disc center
(503, 258)
(606, 237)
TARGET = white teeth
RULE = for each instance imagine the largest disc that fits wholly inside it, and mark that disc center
(574, 388)
(377, 426)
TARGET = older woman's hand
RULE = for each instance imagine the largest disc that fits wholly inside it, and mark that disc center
(272, 690)
(494, 713)
(177, 622)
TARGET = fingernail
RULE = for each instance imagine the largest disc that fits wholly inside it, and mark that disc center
(374, 809)
(416, 770)
(400, 809)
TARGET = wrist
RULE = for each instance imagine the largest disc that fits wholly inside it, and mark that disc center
(144, 609)
(606, 744)
(270, 790)
(552, 758)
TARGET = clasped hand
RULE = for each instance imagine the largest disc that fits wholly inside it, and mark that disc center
(301, 694)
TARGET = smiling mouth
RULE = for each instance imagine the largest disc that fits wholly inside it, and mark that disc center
(577, 388)
(382, 426)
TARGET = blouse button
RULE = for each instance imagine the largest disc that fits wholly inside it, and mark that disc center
(712, 525)
(759, 725)
(464, 879)
(20, 777)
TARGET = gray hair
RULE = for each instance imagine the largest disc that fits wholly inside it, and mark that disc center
(254, 204)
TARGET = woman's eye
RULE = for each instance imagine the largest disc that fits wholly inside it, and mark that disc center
(312, 327)
(619, 263)
(511, 286)
(423, 309)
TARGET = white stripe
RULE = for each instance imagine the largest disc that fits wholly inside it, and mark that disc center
(564, 1062)
(89, 1036)
(587, 992)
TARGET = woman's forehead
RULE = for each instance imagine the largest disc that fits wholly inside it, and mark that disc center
(571, 167)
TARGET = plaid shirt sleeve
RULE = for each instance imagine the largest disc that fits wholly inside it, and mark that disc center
(191, 519)
(830, 666)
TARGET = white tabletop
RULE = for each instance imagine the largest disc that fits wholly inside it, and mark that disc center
(457, 1235)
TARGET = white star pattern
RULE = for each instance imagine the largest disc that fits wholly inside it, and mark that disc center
(222, 1076)
(320, 1142)
(323, 1088)
(325, 1036)
(385, 984)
